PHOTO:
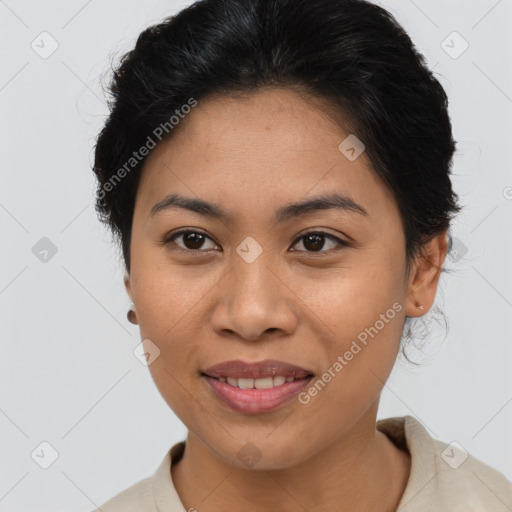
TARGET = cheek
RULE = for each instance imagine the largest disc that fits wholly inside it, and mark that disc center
(348, 300)
(166, 305)
(364, 312)
(167, 319)
(166, 294)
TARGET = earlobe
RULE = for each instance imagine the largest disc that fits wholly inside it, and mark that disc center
(425, 274)
(131, 315)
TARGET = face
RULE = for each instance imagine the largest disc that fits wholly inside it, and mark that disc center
(306, 288)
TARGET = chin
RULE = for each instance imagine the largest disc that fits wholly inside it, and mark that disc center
(254, 454)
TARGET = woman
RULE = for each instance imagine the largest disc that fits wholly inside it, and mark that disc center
(277, 174)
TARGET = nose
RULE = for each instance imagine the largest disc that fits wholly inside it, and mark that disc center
(254, 302)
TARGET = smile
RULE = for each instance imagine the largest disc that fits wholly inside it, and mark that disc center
(256, 396)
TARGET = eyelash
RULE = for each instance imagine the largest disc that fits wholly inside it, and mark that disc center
(343, 244)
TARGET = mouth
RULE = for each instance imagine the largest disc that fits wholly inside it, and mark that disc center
(252, 388)
(237, 369)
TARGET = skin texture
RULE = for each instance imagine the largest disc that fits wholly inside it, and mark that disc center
(252, 155)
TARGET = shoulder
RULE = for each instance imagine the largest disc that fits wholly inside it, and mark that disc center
(444, 476)
(469, 480)
(152, 494)
(137, 498)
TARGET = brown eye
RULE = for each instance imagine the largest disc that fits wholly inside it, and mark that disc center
(191, 240)
(314, 241)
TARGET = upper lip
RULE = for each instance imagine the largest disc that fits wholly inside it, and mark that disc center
(256, 370)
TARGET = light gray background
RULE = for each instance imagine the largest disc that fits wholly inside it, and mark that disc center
(68, 374)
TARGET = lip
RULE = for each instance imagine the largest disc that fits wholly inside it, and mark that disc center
(256, 370)
(255, 401)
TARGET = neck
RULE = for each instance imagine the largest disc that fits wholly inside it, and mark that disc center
(362, 470)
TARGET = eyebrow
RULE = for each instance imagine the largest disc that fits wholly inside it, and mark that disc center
(284, 213)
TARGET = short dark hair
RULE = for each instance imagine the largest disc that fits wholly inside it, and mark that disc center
(351, 54)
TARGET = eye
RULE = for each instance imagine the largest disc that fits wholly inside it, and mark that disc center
(192, 240)
(314, 241)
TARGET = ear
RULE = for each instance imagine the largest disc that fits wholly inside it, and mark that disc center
(128, 286)
(424, 275)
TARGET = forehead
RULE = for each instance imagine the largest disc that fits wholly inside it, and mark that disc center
(266, 147)
(266, 118)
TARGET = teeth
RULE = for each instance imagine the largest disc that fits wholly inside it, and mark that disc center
(263, 383)
(232, 381)
(279, 380)
(245, 383)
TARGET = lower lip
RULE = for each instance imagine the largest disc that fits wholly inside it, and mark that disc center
(254, 401)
